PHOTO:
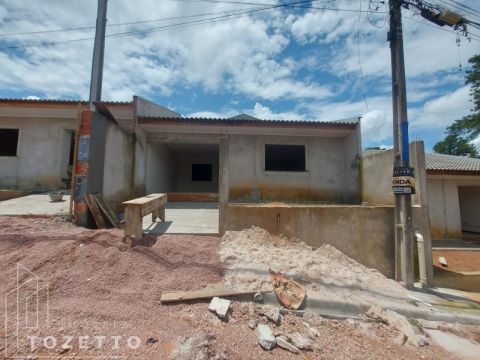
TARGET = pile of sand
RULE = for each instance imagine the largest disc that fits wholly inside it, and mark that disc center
(326, 272)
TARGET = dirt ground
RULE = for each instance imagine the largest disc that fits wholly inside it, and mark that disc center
(458, 260)
(104, 300)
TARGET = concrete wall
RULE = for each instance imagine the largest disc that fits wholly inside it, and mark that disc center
(469, 198)
(365, 233)
(377, 171)
(111, 161)
(184, 173)
(140, 164)
(445, 204)
(161, 169)
(42, 153)
(332, 171)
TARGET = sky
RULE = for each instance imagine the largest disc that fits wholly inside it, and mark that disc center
(222, 58)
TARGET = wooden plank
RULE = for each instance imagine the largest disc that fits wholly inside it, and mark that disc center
(94, 209)
(107, 210)
(176, 296)
(133, 223)
(145, 199)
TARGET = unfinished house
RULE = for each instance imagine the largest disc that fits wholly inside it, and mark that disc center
(247, 160)
(453, 196)
(37, 141)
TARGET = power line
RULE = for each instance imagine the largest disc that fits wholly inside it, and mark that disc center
(122, 24)
(187, 23)
(228, 16)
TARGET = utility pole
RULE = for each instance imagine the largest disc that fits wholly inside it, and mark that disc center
(403, 200)
(98, 54)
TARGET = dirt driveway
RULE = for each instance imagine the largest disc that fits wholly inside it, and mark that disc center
(104, 300)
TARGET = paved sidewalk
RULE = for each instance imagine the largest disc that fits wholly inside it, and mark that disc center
(37, 204)
(185, 218)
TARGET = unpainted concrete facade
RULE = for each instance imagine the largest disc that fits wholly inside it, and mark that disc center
(332, 159)
(448, 196)
(332, 170)
(45, 130)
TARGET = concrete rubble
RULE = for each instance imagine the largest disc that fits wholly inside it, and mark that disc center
(299, 341)
(220, 307)
(272, 313)
(408, 334)
(284, 343)
(266, 339)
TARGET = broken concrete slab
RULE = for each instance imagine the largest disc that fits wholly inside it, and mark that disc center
(265, 337)
(219, 306)
(284, 343)
(272, 313)
(442, 261)
(408, 333)
(312, 333)
(299, 341)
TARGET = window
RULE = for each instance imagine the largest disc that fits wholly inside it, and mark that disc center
(8, 142)
(201, 172)
(284, 157)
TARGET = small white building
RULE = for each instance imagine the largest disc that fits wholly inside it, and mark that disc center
(453, 184)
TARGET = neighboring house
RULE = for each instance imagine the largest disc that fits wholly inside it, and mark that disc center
(37, 138)
(449, 186)
(453, 184)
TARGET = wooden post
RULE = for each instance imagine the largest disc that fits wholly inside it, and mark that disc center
(133, 222)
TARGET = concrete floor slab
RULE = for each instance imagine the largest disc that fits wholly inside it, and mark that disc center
(185, 218)
(37, 204)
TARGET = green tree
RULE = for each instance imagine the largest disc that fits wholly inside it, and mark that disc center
(467, 128)
(455, 145)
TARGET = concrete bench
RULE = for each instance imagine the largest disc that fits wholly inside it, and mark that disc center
(136, 209)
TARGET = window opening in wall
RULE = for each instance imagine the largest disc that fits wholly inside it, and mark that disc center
(8, 142)
(284, 157)
(201, 172)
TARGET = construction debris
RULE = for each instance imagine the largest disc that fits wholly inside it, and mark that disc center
(272, 314)
(408, 334)
(312, 333)
(284, 343)
(176, 296)
(301, 342)
(265, 337)
(442, 261)
(220, 307)
(252, 324)
(289, 293)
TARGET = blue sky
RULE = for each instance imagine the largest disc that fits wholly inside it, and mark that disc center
(280, 63)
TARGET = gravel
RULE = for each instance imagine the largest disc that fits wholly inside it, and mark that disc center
(96, 289)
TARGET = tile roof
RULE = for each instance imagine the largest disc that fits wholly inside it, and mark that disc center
(434, 161)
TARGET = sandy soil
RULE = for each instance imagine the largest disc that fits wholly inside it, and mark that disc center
(458, 260)
(326, 272)
(97, 288)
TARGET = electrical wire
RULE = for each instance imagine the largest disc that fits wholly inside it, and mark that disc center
(121, 24)
(182, 24)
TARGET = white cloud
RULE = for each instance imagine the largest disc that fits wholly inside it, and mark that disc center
(442, 111)
(476, 142)
(242, 55)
